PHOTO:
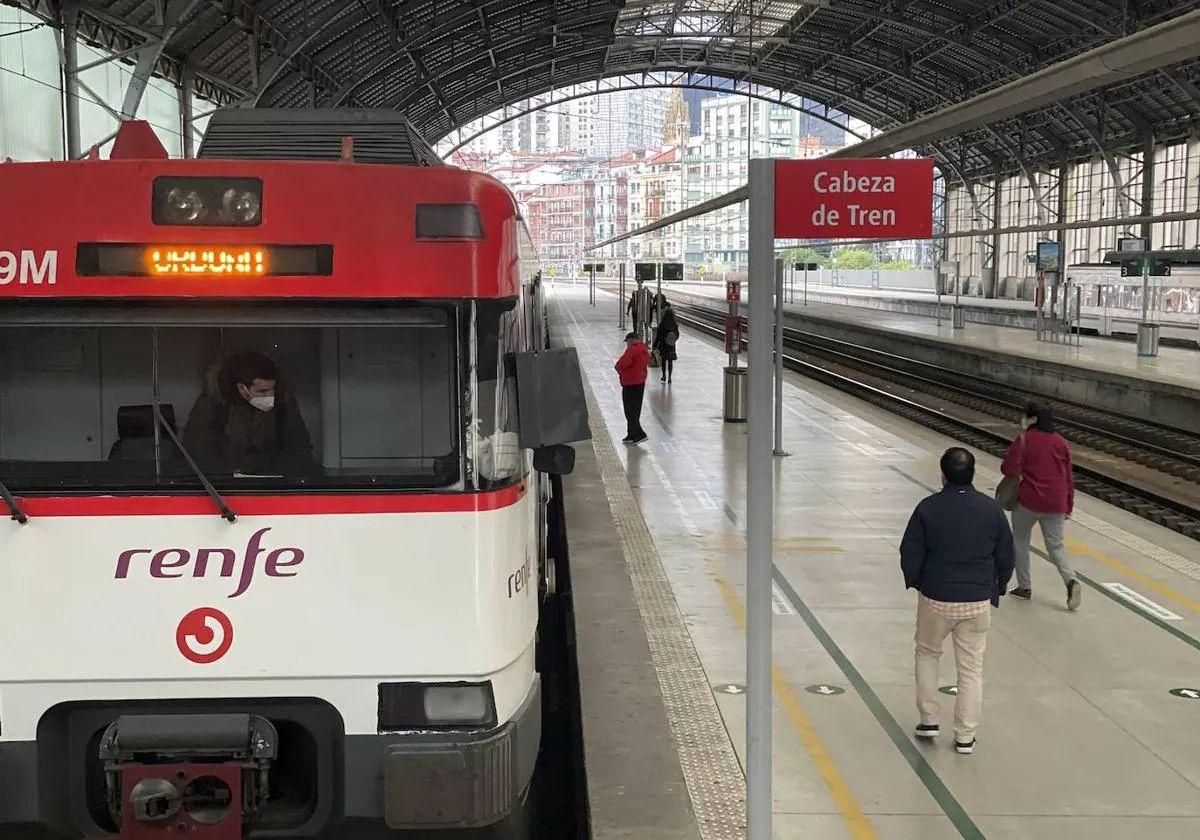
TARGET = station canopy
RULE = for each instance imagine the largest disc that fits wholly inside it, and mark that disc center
(444, 63)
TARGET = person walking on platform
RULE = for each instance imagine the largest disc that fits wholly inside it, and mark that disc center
(665, 338)
(1040, 458)
(632, 368)
(957, 552)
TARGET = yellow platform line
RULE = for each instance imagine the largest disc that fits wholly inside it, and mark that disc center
(860, 827)
(1145, 580)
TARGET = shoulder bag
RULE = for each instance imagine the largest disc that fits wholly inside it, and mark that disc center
(1008, 490)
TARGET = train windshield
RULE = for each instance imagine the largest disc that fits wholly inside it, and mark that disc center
(306, 401)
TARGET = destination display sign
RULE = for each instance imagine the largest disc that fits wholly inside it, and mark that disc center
(876, 198)
(159, 260)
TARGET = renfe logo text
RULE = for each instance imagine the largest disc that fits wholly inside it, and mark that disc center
(215, 562)
(29, 267)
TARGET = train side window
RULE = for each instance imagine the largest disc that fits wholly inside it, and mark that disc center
(499, 457)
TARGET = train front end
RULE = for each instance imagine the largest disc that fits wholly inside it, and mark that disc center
(231, 617)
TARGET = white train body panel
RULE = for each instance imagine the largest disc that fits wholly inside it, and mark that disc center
(437, 596)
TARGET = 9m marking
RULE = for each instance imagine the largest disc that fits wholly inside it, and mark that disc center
(28, 268)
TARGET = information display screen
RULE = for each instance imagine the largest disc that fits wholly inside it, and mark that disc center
(645, 272)
(102, 259)
(1047, 256)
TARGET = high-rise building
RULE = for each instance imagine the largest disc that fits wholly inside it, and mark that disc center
(627, 121)
(732, 130)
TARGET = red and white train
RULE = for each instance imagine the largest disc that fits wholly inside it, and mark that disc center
(274, 527)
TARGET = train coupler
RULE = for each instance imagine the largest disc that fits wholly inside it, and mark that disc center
(204, 777)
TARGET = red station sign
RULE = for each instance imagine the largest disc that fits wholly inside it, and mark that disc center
(875, 198)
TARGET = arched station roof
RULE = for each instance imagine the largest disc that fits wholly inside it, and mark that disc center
(447, 62)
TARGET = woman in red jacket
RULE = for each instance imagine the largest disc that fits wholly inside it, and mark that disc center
(1042, 459)
(632, 367)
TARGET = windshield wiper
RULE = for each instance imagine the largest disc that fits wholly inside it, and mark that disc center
(14, 510)
(226, 513)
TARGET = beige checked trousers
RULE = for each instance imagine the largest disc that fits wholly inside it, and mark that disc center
(970, 641)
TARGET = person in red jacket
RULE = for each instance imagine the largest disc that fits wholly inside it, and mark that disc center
(632, 367)
(1046, 495)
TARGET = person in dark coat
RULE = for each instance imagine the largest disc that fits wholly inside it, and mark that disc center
(252, 425)
(957, 552)
(665, 338)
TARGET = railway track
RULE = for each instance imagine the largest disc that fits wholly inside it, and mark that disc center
(1143, 467)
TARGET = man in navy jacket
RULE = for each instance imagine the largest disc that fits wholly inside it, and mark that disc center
(957, 552)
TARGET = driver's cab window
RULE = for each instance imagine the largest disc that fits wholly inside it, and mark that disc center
(355, 406)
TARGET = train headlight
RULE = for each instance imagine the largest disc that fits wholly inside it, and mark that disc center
(216, 202)
(457, 704)
(435, 706)
(183, 206)
(242, 206)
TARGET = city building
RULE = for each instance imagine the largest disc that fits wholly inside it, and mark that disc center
(625, 121)
(656, 190)
(561, 223)
(716, 162)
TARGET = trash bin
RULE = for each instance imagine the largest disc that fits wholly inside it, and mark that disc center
(1147, 339)
(959, 316)
(735, 394)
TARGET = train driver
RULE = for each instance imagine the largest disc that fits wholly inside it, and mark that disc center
(250, 425)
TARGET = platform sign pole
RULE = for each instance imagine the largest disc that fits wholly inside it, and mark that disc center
(818, 199)
(938, 282)
(759, 504)
(778, 451)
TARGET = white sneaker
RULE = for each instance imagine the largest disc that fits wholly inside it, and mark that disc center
(1074, 595)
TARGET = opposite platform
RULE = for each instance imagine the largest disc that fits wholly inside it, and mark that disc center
(1100, 372)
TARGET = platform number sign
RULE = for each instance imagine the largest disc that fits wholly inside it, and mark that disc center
(1134, 267)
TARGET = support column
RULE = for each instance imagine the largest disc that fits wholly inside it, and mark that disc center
(1064, 181)
(70, 75)
(186, 85)
(997, 204)
(1148, 185)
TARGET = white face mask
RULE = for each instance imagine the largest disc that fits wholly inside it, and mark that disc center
(263, 403)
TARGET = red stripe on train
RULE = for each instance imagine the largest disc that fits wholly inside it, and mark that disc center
(289, 505)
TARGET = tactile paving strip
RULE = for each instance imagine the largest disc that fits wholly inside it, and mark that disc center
(710, 766)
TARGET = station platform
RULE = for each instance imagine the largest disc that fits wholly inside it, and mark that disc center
(1002, 312)
(1081, 733)
(1099, 371)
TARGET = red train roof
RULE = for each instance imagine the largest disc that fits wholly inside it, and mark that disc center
(364, 215)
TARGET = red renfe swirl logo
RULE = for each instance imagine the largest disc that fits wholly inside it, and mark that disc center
(204, 635)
